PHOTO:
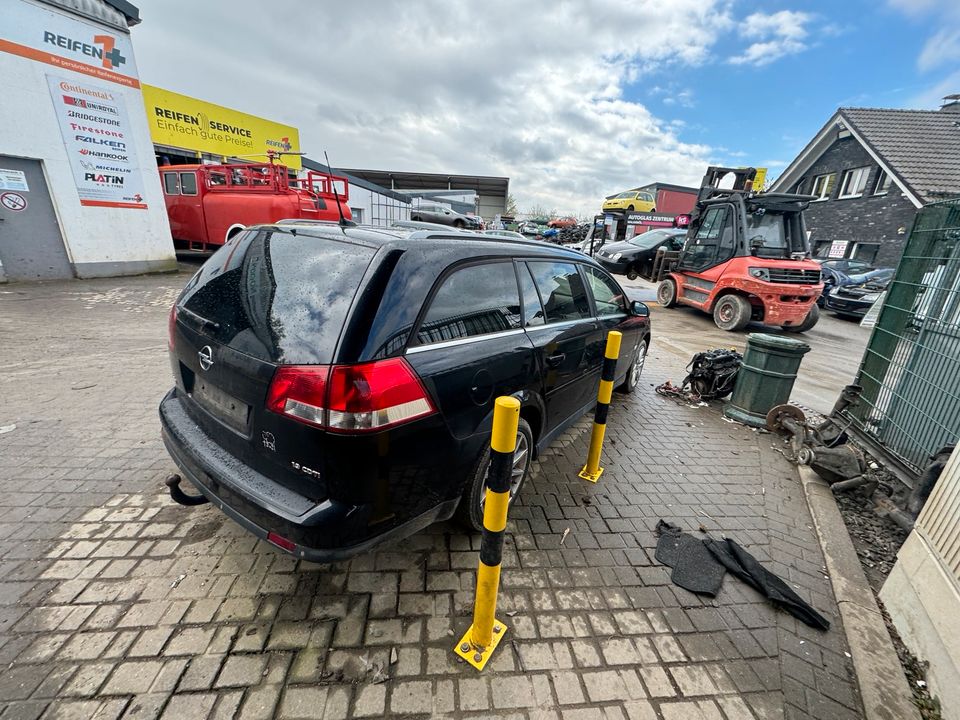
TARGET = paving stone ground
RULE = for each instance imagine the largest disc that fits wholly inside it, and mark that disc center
(115, 602)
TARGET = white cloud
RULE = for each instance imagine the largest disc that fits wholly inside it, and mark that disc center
(533, 91)
(775, 36)
(941, 49)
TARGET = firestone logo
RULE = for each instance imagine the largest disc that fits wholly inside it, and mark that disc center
(107, 53)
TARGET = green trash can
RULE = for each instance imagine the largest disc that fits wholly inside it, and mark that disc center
(766, 377)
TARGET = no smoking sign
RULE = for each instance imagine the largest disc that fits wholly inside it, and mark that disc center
(13, 201)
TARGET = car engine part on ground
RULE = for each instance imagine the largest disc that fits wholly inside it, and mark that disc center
(713, 373)
(699, 565)
(824, 448)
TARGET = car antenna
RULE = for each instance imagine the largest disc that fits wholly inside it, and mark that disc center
(343, 221)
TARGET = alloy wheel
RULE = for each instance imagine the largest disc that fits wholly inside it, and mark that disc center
(521, 459)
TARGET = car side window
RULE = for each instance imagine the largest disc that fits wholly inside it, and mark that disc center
(562, 292)
(188, 183)
(171, 186)
(607, 295)
(533, 314)
(474, 300)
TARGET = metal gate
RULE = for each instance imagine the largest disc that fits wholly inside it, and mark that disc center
(910, 372)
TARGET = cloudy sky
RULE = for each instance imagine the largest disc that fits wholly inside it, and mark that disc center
(572, 101)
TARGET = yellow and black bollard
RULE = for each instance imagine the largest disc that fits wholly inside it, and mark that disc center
(483, 636)
(592, 470)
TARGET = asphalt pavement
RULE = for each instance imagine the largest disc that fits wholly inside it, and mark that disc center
(836, 345)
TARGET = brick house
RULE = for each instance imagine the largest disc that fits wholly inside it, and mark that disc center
(871, 169)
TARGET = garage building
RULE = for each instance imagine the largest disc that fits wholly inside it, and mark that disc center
(79, 192)
(490, 192)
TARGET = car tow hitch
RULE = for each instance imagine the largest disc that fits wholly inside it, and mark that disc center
(179, 496)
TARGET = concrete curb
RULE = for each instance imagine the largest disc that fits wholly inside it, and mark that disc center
(883, 686)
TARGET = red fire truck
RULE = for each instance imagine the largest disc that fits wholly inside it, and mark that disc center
(209, 204)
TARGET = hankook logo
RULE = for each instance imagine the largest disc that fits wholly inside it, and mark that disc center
(205, 356)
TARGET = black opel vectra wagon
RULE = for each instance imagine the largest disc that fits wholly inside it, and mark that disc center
(334, 386)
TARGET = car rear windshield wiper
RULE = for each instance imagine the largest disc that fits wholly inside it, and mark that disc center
(199, 319)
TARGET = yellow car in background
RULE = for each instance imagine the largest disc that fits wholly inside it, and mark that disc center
(631, 201)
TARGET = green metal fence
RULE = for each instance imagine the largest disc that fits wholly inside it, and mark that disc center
(910, 372)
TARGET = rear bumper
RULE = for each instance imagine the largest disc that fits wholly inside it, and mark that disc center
(322, 532)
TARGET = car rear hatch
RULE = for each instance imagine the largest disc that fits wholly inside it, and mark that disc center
(269, 297)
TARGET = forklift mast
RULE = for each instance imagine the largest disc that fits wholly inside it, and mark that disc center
(710, 185)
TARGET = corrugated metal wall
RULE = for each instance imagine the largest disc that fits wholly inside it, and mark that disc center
(939, 523)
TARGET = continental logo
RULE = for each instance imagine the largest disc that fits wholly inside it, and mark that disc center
(102, 179)
(201, 121)
(100, 47)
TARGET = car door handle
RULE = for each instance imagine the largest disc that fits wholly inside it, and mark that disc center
(554, 360)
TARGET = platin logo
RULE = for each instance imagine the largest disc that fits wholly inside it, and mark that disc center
(108, 54)
(103, 179)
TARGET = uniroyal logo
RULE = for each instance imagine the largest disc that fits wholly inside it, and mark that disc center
(103, 179)
(104, 155)
(107, 53)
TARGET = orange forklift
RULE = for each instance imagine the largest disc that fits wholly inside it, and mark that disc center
(746, 257)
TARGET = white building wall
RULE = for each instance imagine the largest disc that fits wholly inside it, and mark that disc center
(100, 241)
(922, 593)
(377, 209)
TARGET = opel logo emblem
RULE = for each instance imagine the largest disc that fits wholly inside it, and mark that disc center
(206, 357)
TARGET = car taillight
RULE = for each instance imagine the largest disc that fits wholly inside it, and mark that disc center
(172, 327)
(375, 395)
(300, 392)
(350, 398)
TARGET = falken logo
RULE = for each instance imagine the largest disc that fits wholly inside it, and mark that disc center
(283, 143)
(112, 144)
(103, 179)
(107, 53)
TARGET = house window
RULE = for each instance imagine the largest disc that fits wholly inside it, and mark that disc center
(854, 181)
(883, 183)
(357, 214)
(823, 185)
(866, 251)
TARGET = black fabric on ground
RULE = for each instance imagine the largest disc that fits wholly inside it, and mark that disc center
(700, 564)
(694, 568)
(746, 567)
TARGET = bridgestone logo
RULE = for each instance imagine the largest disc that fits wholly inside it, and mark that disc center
(93, 118)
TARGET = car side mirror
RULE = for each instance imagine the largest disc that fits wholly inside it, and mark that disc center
(639, 309)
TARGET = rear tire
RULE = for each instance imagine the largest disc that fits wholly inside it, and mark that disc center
(632, 379)
(667, 293)
(470, 509)
(630, 208)
(732, 312)
(458, 224)
(808, 322)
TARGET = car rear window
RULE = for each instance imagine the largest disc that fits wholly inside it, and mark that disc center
(275, 295)
(474, 300)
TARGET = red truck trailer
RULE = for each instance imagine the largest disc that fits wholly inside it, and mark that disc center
(209, 204)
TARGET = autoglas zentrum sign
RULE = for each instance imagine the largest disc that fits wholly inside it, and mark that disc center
(53, 38)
